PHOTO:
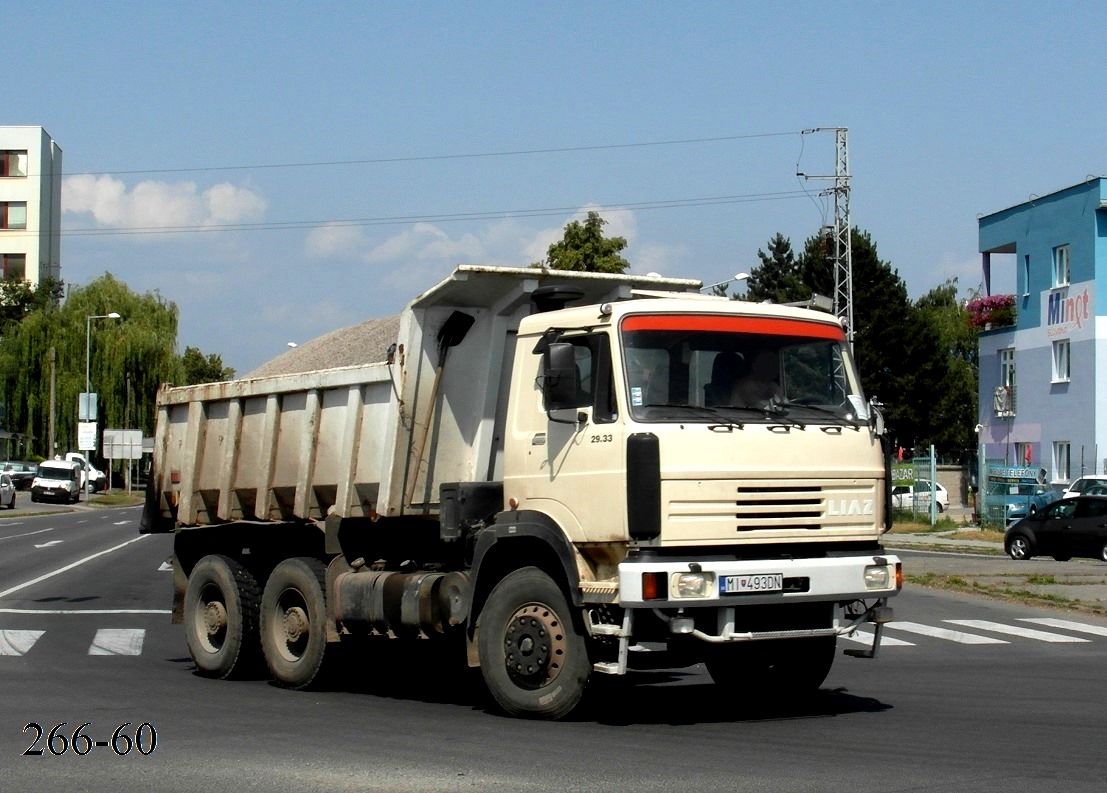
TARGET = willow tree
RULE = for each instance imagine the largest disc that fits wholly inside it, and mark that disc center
(128, 359)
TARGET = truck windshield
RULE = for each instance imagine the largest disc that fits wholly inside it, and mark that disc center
(738, 369)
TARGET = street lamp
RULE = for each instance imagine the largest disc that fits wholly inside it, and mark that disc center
(88, 384)
(735, 277)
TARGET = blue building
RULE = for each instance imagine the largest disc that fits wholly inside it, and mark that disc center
(1039, 378)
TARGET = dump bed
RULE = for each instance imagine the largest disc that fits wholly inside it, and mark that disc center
(371, 440)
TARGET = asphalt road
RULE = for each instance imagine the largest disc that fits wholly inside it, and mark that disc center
(973, 695)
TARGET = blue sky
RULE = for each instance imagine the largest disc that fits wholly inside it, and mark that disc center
(291, 118)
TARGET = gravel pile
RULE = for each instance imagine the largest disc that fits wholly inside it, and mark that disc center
(356, 345)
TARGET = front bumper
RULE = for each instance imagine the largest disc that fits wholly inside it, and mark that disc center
(838, 579)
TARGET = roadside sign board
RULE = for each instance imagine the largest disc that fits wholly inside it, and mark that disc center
(86, 436)
(123, 444)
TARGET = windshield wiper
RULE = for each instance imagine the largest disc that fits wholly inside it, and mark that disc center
(820, 409)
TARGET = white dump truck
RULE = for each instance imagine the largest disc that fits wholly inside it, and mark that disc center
(573, 472)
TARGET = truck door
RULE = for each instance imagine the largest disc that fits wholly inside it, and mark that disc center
(575, 470)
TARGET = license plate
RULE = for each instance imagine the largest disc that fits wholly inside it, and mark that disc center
(744, 584)
(47, 492)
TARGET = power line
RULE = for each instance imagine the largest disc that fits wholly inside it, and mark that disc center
(436, 218)
(434, 157)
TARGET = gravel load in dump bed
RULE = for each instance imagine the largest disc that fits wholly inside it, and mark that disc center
(356, 345)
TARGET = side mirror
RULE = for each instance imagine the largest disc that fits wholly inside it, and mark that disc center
(560, 384)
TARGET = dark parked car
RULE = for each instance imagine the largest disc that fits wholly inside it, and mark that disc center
(21, 472)
(1064, 529)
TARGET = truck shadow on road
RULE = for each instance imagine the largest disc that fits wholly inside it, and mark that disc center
(438, 675)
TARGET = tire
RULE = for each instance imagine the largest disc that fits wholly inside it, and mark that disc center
(1018, 547)
(774, 668)
(294, 622)
(939, 508)
(533, 657)
(221, 617)
(12, 505)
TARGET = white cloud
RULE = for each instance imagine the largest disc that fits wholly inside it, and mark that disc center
(333, 240)
(425, 241)
(153, 204)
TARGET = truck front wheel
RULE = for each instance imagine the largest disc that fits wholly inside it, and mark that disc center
(294, 621)
(779, 667)
(221, 617)
(533, 657)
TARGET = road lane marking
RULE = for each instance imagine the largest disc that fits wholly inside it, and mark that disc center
(121, 522)
(1080, 627)
(861, 637)
(13, 642)
(943, 633)
(117, 641)
(1015, 630)
(165, 568)
(28, 534)
(49, 544)
(86, 611)
(69, 567)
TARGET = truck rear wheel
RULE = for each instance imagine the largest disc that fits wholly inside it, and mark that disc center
(221, 617)
(294, 621)
(533, 657)
(775, 668)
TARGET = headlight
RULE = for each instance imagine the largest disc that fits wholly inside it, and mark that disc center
(693, 585)
(877, 576)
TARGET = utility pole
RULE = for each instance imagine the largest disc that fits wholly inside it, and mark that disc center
(840, 230)
(50, 425)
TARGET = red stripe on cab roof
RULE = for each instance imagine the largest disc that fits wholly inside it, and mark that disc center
(729, 323)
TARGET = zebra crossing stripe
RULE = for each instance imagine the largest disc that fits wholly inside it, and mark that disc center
(118, 641)
(1069, 625)
(943, 633)
(862, 637)
(15, 642)
(1015, 630)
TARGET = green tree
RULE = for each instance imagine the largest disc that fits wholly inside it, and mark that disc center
(128, 360)
(584, 248)
(778, 277)
(945, 383)
(198, 368)
(884, 320)
(18, 298)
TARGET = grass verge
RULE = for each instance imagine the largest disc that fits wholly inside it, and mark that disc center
(1004, 592)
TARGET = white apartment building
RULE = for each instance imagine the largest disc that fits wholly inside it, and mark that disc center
(30, 204)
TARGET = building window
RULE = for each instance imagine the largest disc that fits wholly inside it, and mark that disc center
(1026, 275)
(13, 214)
(13, 163)
(1024, 454)
(1062, 366)
(14, 265)
(1061, 267)
(1007, 367)
(1062, 461)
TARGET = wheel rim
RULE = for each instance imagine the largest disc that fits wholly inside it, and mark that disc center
(534, 646)
(1018, 549)
(211, 619)
(1103, 552)
(294, 631)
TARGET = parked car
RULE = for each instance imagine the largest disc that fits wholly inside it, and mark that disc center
(57, 480)
(1086, 486)
(1012, 501)
(7, 491)
(1066, 528)
(917, 496)
(21, 472)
